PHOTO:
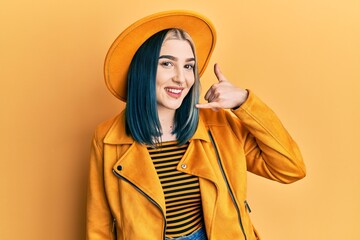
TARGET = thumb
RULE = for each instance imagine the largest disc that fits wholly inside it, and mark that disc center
(218, 73)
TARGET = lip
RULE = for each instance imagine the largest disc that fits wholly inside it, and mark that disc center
(174, 92)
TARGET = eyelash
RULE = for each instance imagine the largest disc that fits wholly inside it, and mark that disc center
(189, 66)
(167, 64)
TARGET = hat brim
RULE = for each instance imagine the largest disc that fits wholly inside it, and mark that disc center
(121, 52)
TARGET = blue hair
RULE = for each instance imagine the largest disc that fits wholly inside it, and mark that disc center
(142, 121)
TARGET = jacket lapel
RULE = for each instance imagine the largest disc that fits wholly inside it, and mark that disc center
(197, 161)
(135, 164)
(137, 167)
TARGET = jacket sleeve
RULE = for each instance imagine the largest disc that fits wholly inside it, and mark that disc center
(270, 151)
(99, 219)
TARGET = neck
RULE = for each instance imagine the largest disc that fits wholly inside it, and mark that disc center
(166, 118)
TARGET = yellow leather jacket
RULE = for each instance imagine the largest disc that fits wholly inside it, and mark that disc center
(125, 197)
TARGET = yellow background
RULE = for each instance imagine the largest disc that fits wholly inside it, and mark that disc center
(302, 57)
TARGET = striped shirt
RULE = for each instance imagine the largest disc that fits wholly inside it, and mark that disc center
(181, 190)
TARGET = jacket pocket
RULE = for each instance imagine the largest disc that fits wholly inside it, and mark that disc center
(247, 206)
(256, 233)
(248, 211)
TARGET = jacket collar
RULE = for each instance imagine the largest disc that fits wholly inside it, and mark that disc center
(117, 133)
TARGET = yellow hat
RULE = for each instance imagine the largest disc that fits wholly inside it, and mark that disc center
(121, 52)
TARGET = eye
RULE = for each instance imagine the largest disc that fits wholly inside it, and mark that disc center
(166, 64)
(189, 66)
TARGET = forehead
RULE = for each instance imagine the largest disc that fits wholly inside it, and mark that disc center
(180, 47)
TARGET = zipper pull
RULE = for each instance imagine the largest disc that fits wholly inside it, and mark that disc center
(247, 206)
(113, 225)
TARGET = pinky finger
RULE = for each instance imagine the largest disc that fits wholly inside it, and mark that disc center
(213, 105)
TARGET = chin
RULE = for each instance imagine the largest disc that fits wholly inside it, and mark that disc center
(174, 106)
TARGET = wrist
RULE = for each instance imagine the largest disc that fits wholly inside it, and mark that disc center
(243, 97)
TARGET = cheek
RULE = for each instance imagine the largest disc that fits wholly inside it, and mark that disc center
(160, 80)
(190, 79)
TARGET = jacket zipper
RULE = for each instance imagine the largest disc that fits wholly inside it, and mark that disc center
(113, 230)
(145, 195)
(227, 184)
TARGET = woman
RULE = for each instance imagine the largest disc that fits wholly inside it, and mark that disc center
(168, 167)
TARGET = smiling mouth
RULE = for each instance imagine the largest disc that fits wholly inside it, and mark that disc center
(173, 90)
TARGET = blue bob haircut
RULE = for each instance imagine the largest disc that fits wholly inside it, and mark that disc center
(142, 120)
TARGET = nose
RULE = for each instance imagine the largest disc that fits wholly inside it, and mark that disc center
(179, 76)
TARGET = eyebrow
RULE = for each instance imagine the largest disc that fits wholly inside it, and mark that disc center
(175, 58)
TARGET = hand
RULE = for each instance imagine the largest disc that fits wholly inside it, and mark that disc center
(223, 94)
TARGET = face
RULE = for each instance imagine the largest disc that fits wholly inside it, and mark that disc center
(175, 74)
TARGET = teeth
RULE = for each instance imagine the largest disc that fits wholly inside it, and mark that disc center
(176, 91)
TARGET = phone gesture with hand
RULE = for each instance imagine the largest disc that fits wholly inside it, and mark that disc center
(223, 94)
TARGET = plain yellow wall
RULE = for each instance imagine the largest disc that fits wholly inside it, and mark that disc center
(302, 57)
